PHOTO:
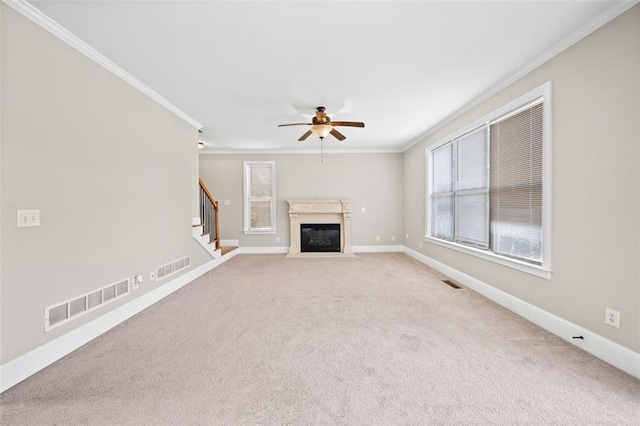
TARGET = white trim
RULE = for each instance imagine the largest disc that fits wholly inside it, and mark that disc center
(617, 9)
(39, 18)
(262, 250)
(205, 151)
(355, 249)
(493, 257)
(35, 360)
(598, 346)
(543, 92)
(204, 240)
(246, 167)
(378, 249)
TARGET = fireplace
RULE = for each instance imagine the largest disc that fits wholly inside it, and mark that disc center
(320, 238)
(320, 227)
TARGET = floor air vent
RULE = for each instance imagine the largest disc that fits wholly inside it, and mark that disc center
(60, 313)
(172, 267)
(451, 284)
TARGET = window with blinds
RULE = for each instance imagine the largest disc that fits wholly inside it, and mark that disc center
(516, 184)
(486, 185)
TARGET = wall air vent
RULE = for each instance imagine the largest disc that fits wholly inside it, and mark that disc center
(172, 267)
(60, 313)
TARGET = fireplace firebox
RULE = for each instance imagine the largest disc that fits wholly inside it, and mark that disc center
(320, 237)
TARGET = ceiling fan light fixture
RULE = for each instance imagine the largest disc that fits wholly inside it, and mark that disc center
(321, 130)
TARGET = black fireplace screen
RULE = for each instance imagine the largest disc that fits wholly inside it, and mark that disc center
(320, 237)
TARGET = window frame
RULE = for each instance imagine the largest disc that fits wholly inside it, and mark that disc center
(247, 165)
(544, 270)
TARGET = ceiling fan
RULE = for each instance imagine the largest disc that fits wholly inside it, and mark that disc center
(323, 126)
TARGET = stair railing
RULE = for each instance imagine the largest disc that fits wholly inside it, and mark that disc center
(209, 215)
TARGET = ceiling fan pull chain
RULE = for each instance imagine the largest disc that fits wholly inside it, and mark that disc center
(322, 150)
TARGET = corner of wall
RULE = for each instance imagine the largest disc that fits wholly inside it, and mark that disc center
(2, 6)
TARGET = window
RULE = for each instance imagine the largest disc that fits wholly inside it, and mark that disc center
(259, 197)
(488, 186)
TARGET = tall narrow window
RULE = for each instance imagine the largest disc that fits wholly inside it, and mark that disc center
(488, 189)
(516, 184)
(472, 189)
(259, 200)
(442, 192)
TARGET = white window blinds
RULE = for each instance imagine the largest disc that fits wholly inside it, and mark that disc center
(516, 184)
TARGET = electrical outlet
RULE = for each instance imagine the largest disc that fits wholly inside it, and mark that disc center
(277, 239)
(28, 218)
(152, 276)
(420, 243)
(407, 237)
(377, 237)
(227, 202)
(363, 210)
(136, 281)
(612, 317)
(393, 238)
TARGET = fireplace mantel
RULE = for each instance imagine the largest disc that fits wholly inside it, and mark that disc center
(320, 210)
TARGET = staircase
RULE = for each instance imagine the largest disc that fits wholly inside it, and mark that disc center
(206, 228)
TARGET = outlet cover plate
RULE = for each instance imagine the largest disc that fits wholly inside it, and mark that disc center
(28, 218)
(612, 317)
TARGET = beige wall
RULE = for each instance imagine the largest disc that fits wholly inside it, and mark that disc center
(596, 135)
(372, 181)
(1, 173)
(113, 173)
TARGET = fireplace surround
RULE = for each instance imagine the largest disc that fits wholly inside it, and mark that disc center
(320, 211)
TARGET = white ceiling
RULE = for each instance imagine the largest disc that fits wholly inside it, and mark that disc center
(240, 68)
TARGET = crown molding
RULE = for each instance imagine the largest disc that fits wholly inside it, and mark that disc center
(39, 18)
(205, 151)
(606, 16)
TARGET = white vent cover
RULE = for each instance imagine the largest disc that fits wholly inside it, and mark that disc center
(60, 313)
(172, 267)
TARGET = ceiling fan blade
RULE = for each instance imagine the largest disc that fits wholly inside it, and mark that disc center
(337, 135)
(295, 124)
(306, 135)
(347, 123)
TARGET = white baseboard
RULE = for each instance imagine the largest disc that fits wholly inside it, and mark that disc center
(18, 369)
(600, 347)
(377, 249)
(355, 249)
(263, 250)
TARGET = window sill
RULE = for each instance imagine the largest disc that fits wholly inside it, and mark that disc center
(538, 271)
(256, 232)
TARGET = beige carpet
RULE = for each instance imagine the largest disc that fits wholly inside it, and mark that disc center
(372, 340)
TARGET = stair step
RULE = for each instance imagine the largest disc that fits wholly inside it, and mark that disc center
(226, 250)
(195, 225)
(206, 233)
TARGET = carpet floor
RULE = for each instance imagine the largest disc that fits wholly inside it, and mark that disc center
(377, 339)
